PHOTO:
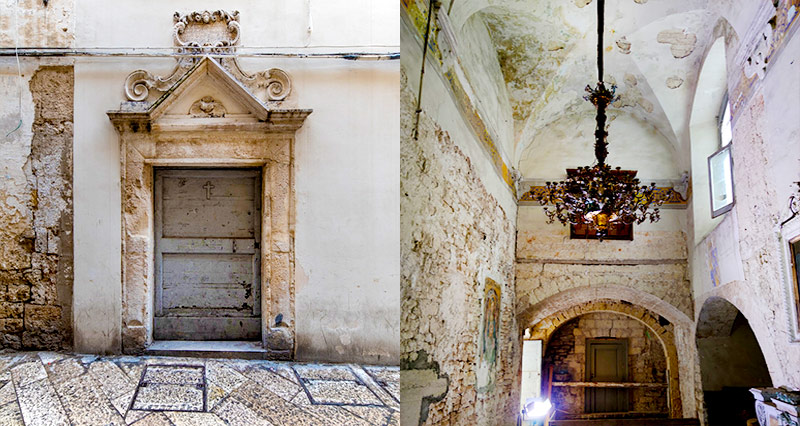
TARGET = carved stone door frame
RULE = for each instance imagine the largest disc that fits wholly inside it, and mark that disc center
(160, 134)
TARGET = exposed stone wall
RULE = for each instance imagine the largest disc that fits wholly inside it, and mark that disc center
(679, 370)
(765, 165)
(549, 262)
(566, 350)
(36, 262)
(455, 234)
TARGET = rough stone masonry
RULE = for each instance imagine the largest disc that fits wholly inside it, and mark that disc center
(36, 255)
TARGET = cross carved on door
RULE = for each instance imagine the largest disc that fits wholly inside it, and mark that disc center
(208, 187)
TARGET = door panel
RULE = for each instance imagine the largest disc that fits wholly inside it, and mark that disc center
(207, 254)
(606, 361)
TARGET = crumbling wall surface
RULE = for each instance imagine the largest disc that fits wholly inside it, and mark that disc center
(37, 23)
(760, 295)
(647, 362)
(36, 215)
(455, 234)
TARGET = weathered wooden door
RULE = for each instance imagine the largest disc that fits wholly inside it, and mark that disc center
(207, 279)
(606, 361)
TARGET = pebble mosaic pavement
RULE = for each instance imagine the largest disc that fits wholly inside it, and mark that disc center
(47, 388)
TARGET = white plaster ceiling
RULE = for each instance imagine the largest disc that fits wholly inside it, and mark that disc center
(547, 53)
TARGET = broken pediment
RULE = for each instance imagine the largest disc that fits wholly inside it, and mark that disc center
(207, 89)
(206, 95)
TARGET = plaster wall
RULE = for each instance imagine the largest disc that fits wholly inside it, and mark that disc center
(455, 235)
(439, 104)
(478, 57)
(765, 157)
(568, 142)
(34, 24)
(346, 228)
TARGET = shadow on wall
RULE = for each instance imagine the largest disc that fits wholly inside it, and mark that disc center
(731, 363)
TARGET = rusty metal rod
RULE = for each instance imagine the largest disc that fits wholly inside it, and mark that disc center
(422, 69)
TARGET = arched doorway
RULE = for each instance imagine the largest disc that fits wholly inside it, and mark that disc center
(607, 347)
(642, 341)
(731, 362)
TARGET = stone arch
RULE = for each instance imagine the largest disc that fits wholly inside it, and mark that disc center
(716, 318)
(660, 326)
(731, 360)
(566, 299)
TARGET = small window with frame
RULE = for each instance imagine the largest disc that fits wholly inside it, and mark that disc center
(720, 166)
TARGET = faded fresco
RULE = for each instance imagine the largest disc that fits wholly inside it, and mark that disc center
(488, 345)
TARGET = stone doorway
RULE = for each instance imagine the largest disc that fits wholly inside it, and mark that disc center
(240, 131)
(207, 254)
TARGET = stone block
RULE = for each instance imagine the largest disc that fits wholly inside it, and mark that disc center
(44, 319)
(11, 310)
(13, 325)
(17, 293)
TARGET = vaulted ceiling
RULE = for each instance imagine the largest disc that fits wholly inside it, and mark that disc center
(654, 51)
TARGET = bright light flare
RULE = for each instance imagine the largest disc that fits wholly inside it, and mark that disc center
(536, 408)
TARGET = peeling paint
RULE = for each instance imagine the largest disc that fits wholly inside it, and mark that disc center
(681, 43)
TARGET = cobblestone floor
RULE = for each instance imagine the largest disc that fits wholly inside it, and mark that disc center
(46, 388)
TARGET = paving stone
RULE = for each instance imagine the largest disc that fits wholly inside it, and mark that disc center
(132, 416)
(235, 412)
(85, 403)
(10, 415)
(171, 360)
(77, 389)
(285, 371)
(7, 393)
(50, 357)
(223, 375)
(111, 378)
(173, 374)
(214, 394)
(383, 392)
(274, 408)
(40, 405)
(179, 418)
(133, 370)
(123, 402)
(341, 392)
(324, 372)
(301, 399)
(373, 415)
(157, 396)
(275, 383)
(384, 374)
(338, 416)
(154, 419)
(28, 372)
(395, 419)
(64, 369)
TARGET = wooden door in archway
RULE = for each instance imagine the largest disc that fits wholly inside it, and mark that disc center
(606, 361)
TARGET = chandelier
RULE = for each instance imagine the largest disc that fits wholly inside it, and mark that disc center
(599, 195)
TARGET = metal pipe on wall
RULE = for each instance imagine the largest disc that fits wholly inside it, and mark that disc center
(149, 52)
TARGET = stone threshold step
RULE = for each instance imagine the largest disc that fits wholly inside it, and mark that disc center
(212, 349)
